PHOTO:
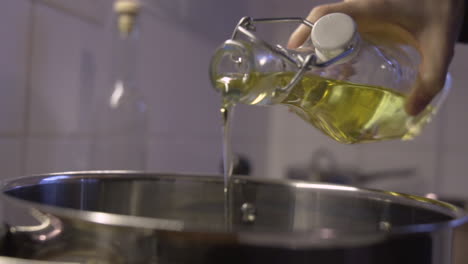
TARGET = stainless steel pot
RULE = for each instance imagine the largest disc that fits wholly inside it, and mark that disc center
(125, 217)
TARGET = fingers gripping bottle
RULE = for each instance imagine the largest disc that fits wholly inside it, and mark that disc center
(351, 88)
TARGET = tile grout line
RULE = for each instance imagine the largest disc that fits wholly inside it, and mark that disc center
(28, 90)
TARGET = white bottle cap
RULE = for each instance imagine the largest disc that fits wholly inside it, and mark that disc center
(332, 34)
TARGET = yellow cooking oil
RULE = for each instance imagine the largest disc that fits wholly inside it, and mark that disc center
(347, 112)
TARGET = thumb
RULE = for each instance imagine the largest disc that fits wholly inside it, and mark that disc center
(300, 35)
(436, 56)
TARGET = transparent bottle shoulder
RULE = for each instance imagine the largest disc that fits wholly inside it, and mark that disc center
(390, 66)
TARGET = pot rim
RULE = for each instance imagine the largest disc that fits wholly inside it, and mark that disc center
(318, 237)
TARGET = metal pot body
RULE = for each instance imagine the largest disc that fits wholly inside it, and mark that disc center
(130, 217)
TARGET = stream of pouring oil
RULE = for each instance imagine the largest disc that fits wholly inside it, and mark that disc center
(226, 112)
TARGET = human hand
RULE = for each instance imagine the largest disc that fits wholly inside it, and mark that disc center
(431, 26)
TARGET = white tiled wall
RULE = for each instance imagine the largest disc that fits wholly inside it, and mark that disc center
(10, 153)
(47, 155)
(175, 75)
(14, 79)
(15, 32)
(66, 67)
(292, 143)
(61, 45)
(184, 155)
(185, 124)
(454, 165)
(89, 10)
(57, 59)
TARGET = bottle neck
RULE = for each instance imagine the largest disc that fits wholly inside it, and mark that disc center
(124, 53)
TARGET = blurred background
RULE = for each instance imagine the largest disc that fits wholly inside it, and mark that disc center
(55, 56)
